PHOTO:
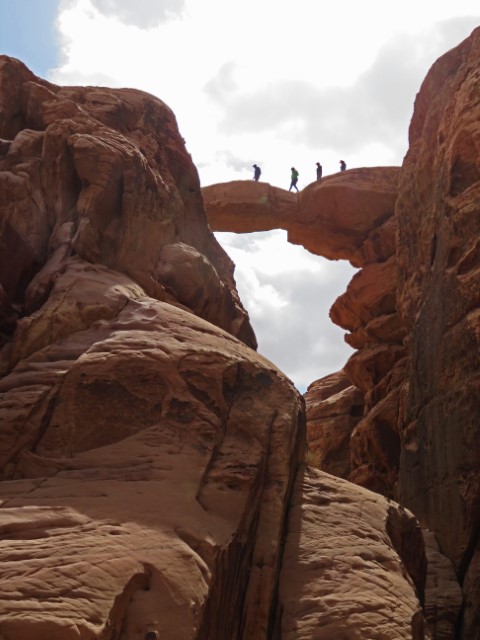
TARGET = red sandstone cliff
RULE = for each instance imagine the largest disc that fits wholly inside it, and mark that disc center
(438, 249)
(152, 461)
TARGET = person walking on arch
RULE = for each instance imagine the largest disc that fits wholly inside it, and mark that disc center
(319, 171)
(294, 180)
(257, 173)
(343, 166)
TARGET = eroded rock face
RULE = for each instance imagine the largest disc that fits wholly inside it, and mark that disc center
(413, 314)
(149, 455)
(343, 572)
(439, 267)
(347, 215)
(443, 601)
(334, 406)
(102, 175)
(244, 207)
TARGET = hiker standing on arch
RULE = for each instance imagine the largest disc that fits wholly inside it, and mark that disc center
(294, 179)
(257, 173)
(319, 171)
(343, 166)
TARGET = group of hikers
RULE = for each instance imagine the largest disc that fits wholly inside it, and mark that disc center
(257, 172)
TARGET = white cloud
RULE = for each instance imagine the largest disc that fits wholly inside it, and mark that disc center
(281, 84)
(268, 81)
(145, 14)
(288, 293)
(373, 111)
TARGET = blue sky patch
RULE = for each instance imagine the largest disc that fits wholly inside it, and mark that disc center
(27, 32)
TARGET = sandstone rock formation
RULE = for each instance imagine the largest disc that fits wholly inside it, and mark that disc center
(155, 498)
(148, 453)
(136, 482)
(443, 595)
(242, 207)
(340, 581)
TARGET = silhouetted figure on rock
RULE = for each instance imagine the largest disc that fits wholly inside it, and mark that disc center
(294, 179)
(319, 171)
(343, 166)
(257, 173)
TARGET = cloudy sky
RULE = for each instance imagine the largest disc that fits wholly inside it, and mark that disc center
(275, 82)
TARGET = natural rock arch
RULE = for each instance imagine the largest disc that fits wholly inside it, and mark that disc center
(349, 215)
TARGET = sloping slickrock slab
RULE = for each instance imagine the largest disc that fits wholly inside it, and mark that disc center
(151, 456)
(342, 576)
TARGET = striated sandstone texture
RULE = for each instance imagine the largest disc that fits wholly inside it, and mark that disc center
(343, 572)
(154, 497)
(438, 248)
